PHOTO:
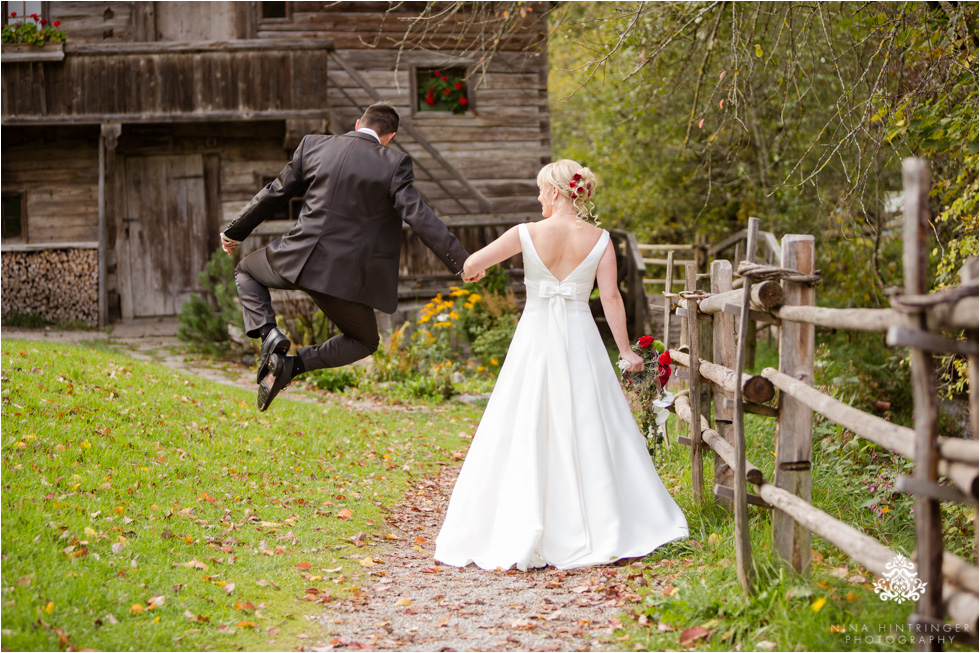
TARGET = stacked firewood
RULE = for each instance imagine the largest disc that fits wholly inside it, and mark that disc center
(59, 285)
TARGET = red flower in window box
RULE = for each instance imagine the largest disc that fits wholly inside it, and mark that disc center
(463, 101)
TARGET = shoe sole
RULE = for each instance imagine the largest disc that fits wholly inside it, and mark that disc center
(273, 370)
(282, 349)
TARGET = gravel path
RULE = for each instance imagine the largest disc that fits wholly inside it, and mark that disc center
(420, 605)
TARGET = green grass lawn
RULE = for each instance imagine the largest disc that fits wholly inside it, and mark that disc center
(144, 509)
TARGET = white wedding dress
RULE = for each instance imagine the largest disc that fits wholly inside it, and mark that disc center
(558, 473)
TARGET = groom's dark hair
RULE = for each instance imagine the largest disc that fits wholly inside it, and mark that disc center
(381, 117)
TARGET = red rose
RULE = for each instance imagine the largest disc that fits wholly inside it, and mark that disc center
(430, 100)
(663, 375)
(665, 358)
(645, 341)
(459, 85)
(446, 92)
(576, 176)
(571, 184)
(463, 101)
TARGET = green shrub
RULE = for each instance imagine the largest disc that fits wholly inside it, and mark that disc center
(335, 379)
(204, 317)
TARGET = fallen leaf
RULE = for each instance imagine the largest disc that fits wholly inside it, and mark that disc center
(194, 564)
(136, 608)
(344, 513)
(303, 565)
(229, 588)
(817, 605)
(157, 601)
(366, 562)
(246, 624)
(693, 634)
(403, 602)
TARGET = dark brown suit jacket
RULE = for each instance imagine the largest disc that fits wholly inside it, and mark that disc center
(347, 238)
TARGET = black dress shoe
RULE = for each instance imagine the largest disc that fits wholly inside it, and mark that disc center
(275, 343)
(278, 374)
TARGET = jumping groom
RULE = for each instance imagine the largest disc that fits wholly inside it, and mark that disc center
(342, 250)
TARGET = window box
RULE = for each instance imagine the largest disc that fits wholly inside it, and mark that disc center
(19, 52)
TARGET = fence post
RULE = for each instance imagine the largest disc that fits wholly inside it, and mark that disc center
(928, 522)
(694, 372)
(794, 429)
(668, 301)
(723, 353)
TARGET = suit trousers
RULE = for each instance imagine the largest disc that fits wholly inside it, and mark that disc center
(358, 326)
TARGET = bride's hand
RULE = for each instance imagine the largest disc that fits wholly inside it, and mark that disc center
(634, 360)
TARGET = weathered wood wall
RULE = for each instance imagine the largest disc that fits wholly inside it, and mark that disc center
(242, 106)
(57, 168)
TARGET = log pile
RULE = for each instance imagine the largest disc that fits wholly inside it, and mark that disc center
(59, 285)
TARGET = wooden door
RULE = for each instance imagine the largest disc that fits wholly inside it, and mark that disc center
(166, 233)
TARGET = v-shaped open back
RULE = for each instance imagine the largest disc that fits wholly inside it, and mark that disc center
(527, 244)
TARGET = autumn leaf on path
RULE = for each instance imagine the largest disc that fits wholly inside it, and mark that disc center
(403, 602)
(693, 634)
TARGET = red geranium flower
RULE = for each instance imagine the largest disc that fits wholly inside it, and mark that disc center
(445, 79)
(459, 85)
(446, 91)
(463, 101)
(56, 23)
(44, 21)
(645, 341)
(437, 74)
(13, 14)
(430, 100)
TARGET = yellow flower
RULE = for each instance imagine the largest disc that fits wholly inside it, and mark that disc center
(454, 315)
(454, 287)
(459, 292)
(425, 318)
(474, 298)
(468, 306)
(442, 324)
(493, 361)
(481, 369)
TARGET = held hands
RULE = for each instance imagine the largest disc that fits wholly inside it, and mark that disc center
(228, 245)
(470, 275)
(630, 361)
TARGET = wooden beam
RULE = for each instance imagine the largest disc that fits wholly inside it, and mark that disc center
(765, 296)
(928, 519)
(794, 428)
(754, 388)
(697, 467)
(194, 47)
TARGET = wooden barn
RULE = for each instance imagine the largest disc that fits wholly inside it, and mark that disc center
(128, 147)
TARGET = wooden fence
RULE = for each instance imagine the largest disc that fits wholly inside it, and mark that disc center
(714, 355)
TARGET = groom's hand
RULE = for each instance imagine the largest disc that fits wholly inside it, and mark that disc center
(228, 245)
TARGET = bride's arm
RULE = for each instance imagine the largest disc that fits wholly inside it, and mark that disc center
(612, 307)
(499, 250)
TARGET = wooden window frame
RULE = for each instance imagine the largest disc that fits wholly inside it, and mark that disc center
(23, 237)
(262, 20)
(467, 67)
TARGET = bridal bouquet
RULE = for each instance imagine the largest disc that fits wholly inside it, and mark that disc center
(646, 390)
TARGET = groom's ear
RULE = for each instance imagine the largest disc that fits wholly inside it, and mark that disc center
(357, 125)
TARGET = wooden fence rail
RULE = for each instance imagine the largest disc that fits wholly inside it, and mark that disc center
(925, 323)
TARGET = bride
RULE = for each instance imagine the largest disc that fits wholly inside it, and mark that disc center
(558, 473)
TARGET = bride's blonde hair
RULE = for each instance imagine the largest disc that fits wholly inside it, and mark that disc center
(577, 183)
